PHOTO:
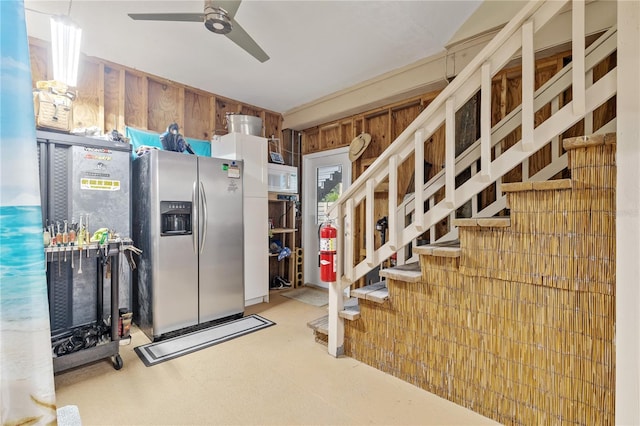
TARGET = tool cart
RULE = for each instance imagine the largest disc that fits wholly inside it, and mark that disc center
(105, 255)
(85, 181)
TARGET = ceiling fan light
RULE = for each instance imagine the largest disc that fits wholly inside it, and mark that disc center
(217, 21)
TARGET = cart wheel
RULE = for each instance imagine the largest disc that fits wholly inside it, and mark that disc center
(117, 362)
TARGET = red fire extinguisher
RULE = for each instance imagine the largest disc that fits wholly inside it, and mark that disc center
(328, 235)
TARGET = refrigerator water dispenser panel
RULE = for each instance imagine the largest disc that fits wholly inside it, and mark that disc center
(175, 218)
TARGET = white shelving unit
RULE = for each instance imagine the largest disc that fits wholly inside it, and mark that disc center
(282, 214)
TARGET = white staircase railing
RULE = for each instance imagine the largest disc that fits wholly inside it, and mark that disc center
(441, 195)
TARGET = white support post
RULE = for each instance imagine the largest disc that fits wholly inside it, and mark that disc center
(627, 300)
(370, 223)
(393, 201)
(555, 141)
(498, 151)
(578, 57)
(350, 240)
(340, 242)
(485, 123)
(335, 344)
(528, 86)
(450, 154)
(418, 180)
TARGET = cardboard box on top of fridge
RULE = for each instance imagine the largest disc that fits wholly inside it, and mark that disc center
(53, 106)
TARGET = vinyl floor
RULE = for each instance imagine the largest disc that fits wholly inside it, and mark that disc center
(276, 376)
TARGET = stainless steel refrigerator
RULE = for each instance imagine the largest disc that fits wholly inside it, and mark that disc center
(187, 219)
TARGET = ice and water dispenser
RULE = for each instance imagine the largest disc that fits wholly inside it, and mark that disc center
(175, 218)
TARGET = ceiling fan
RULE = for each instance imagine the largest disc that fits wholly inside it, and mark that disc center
(218, 18)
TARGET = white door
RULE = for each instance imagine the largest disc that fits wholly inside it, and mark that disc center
(325, 176)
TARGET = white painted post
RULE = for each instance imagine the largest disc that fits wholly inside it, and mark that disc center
(528, 86)
(350, 240)
(369, 223)
(393, 202)
(450, 154)
(418, 180)
(555, 141)
(628, 216)
(485, 123)
(335, 345)
(578, 57)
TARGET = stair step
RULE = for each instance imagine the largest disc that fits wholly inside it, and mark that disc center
(350, 302)
(320, 325)
(483, 222)
(410, 272)
(375, 292)
(444, 249)
(350, 312)
(536, 186)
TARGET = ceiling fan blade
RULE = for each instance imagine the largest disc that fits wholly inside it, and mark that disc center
(240, 37)
(180, 17)
(230, 6)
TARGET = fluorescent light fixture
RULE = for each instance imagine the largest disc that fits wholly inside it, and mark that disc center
(65, 42)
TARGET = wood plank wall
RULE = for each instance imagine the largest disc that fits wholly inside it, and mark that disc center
(112, 96)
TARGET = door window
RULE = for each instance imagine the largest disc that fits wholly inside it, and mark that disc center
(328, 189)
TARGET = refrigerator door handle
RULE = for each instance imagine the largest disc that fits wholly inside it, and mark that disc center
(205, 218)
(195, 226)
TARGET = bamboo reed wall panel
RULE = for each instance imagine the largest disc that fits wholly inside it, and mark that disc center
(112, 100)
(136, 98)
(197, 117)
(526, 339)
(87, 103)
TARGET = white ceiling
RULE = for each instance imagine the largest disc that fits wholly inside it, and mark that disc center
(316, 47)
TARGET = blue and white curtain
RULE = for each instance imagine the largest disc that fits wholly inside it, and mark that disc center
(27, 391)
